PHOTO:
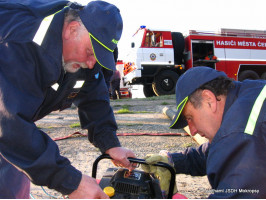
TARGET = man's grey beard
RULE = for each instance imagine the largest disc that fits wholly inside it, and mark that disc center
(68, 67)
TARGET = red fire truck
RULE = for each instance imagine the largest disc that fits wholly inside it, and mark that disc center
(159, 57)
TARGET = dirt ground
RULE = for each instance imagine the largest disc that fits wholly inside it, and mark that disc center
(145, 118)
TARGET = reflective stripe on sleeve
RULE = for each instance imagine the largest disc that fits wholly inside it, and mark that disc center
(253, 117)
(42, 30)
(39, 36)
(55, 86)
(79, 84)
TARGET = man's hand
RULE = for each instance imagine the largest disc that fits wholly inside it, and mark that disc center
(88, 189)
(120, 155)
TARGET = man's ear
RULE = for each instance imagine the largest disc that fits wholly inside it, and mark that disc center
(210, 99)
(71, 29)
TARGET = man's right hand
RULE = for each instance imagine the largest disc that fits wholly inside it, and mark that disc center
(88, 189)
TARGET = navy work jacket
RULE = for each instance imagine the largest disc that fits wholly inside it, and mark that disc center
(235, 160)
(29, 67)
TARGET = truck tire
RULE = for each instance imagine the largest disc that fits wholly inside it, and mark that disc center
(165, 82)
(248, 74)
(179, 46)
(263, 76)
(148, 91)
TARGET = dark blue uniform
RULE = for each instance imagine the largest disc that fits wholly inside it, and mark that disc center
(235, 160)
(29, 67)
(115, 85)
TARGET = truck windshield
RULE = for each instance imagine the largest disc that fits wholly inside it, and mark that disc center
(137, 38)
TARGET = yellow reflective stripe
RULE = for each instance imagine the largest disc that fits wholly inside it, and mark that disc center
(114, 41)
(101, 43)
(38, 38)
(184, 103)
(96, 57)
(253, 117)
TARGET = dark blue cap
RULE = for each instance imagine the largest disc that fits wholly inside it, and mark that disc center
(188, 83)
(104, 24)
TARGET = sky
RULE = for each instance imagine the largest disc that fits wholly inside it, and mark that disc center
(185, 15)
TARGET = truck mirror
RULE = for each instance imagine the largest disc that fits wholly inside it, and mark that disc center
(132, 45)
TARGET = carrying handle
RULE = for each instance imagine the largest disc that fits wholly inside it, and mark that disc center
(141, 161)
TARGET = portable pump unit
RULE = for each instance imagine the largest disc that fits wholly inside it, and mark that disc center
(136, 184)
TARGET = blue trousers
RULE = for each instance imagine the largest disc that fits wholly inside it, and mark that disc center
(115, 88)
(13, 183)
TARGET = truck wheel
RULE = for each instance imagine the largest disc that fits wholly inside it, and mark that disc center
(263, 76)
(165, 82)
(248, 74)
(147, 90)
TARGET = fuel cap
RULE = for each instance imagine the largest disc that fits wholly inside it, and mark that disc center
(110, 191)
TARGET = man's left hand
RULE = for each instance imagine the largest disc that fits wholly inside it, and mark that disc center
(120, 157)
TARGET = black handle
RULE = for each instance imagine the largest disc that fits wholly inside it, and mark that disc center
(141, 161)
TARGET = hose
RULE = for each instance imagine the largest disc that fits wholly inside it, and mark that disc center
(75, 134)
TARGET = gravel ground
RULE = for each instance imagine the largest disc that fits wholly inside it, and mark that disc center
(146, 118)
